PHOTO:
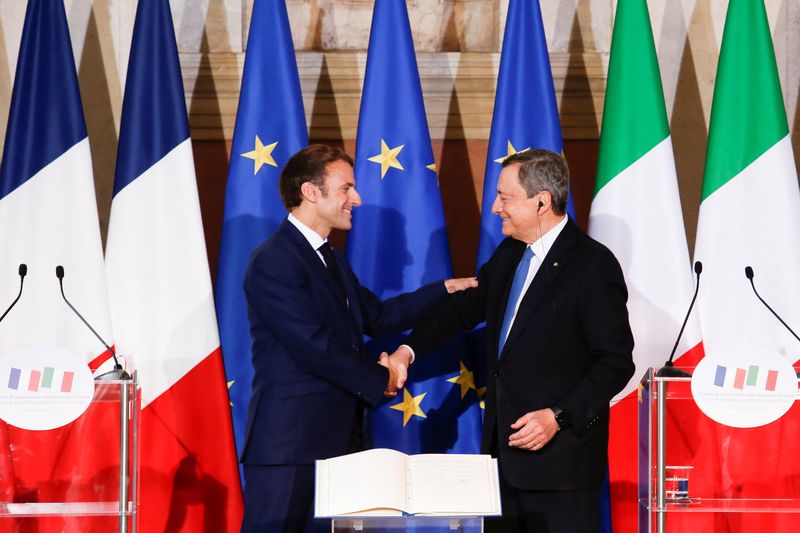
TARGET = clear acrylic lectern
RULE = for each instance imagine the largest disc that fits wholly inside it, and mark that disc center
(79, 477)
(698, 475)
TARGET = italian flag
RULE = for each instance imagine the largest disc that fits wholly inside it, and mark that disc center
(749, 216)
(750, 210)
(636, 212)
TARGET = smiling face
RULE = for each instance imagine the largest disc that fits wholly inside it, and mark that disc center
(337, 199)
(518, 212)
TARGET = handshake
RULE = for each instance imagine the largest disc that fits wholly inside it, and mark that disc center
(399, 361)
(398, 364)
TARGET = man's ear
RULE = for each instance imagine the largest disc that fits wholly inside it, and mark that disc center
(309, 191)
(544, 202)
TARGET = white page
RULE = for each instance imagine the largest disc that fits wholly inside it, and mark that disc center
(374, 479)
(454, 484)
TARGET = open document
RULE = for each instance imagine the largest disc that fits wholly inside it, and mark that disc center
(388, 483)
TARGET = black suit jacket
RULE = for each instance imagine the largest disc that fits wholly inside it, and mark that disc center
(311, 374)
(570, 346)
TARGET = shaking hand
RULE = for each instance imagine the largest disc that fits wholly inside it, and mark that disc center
(398, 364)
(391, 386)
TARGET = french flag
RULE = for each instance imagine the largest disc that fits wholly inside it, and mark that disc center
(161, 297)
(48, 217)
(48, 211)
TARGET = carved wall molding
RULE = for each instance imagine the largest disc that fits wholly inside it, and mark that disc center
(458, 88)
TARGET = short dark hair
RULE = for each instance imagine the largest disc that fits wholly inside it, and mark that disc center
(543, 170)
(308, 165)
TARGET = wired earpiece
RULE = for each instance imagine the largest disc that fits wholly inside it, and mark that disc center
(541, 242)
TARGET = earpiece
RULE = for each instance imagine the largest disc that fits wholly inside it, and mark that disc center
(541, 204)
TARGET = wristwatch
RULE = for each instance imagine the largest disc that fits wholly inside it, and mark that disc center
(562, 419)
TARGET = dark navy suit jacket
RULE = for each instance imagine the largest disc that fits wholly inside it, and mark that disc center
(570, 346)
(311, 373)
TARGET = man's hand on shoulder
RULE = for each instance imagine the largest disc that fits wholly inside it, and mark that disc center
(460, 284)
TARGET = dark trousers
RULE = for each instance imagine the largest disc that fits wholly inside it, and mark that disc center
(280, 499)
(533, 511)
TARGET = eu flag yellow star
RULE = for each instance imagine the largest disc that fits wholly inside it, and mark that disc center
(481, 394)
(465, 378)
(387, 158)
(511, 151)
(410, 406)
(261, 155)
(231, 382)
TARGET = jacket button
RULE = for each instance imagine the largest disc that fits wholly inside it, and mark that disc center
(498, 373)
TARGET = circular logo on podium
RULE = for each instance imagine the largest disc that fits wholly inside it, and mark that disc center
(744, 386)
(43, 387)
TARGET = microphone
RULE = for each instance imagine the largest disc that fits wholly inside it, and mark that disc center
(748, 271)
(23, 271)
(668, 370)
(118, 372)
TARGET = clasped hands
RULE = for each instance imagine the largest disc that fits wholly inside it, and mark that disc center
(397, 364)
(399, 361)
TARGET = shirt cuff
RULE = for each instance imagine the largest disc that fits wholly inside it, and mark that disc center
(410, 349)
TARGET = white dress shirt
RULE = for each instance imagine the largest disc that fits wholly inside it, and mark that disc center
(314, 239)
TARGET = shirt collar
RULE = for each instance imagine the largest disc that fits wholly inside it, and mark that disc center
(313, 238)
(541, 246)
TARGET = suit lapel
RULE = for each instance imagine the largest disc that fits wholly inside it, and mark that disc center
(318, 268)
(350, 290)
(549, 270)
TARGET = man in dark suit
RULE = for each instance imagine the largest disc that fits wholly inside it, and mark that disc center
(308, 315)
(559, 348)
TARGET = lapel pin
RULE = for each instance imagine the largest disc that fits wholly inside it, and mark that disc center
(555, 264)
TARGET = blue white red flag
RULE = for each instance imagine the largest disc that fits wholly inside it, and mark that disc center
(161, 297)
(48, 217)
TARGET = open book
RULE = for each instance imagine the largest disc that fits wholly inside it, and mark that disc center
(389, 483)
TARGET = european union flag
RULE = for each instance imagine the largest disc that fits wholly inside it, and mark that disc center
(270, 127)
(525, 110)
(399, 240)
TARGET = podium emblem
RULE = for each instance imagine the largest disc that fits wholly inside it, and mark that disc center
(744, 386)
(43, 387)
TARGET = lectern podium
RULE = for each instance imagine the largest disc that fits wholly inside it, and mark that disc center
(697, 475)
(79, 477)
(396, 524)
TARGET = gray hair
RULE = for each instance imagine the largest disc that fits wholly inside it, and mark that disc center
(543, 170)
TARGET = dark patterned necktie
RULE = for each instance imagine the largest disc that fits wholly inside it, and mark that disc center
(330, 262)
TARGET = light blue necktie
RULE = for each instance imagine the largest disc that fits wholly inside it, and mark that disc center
(513, 296)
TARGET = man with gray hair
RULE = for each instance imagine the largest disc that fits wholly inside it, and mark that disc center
(559, 347)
